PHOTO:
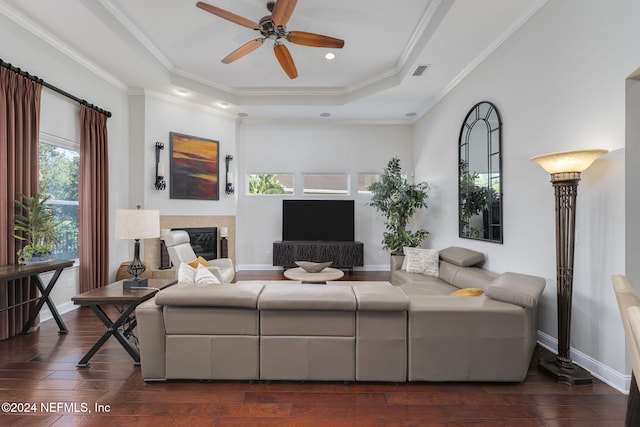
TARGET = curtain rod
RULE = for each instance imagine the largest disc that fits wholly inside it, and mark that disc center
(52, 87)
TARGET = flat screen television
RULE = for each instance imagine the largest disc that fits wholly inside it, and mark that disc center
(324, 220)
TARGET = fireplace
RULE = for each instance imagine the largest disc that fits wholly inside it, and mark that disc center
(204, 241)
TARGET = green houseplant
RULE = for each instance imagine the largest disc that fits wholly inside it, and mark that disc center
(35, 224)
(397, 201)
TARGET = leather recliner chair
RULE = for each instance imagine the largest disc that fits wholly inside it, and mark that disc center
(180, 250)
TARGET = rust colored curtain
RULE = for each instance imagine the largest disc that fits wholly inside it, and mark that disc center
(19, 136)
(94, 200)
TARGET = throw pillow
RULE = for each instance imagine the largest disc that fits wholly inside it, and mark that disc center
(205, 277)
(198, 261)
(423, 261)
(468, 292)
(186, 274)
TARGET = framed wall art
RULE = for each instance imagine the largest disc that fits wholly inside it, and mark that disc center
(195, 167)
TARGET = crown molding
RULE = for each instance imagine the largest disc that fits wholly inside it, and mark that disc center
(522, 19)
(136, 32)
(57, 44)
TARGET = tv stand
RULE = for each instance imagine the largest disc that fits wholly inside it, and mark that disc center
(342, 254)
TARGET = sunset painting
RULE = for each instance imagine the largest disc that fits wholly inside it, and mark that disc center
(194, 167)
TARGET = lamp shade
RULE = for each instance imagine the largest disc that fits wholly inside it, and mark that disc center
(568, 161)
(137, 224)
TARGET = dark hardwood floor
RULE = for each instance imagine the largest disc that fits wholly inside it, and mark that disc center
(40, 368)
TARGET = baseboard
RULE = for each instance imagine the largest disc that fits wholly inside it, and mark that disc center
(45, 314)
(256, 267)
(615, 379)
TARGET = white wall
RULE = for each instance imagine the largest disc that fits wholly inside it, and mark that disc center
(60, 117)
(559, 84)
(162, 116)
(289, 147)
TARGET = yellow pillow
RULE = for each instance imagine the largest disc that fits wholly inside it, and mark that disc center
(197, 261)
(468, 292)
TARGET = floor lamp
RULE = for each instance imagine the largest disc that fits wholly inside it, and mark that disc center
(565, 169)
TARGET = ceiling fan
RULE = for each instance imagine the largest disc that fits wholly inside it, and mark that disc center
(273, 27)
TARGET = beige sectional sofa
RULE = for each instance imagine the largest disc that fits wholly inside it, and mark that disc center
(410, 330)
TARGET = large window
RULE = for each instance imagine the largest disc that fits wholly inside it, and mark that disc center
(59, 164)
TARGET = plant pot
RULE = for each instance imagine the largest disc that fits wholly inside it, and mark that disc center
(396, 260)
(40, 257)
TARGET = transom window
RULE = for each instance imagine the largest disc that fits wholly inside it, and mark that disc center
(331, 184)
(365, 179)
(270, 183)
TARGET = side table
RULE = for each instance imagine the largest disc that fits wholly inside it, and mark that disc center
(128, 300)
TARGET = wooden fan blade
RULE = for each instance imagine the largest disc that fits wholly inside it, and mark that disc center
(285, 60)
(282, 11)
(316, 40)
(224, 14)
(243, 50)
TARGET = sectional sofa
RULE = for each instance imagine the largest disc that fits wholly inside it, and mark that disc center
(411, 329)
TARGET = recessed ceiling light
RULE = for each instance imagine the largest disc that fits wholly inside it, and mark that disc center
(411, 114)
(329, 56)
(223, 104)
(243, 114)
(182, 92)
(324, 114)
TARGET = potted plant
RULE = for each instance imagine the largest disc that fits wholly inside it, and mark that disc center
(398, 200)
(35, 224)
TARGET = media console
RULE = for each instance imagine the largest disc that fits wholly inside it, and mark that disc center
(343, 254)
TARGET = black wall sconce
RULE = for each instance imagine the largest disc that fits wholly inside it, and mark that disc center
(160, 183)
(229, 176)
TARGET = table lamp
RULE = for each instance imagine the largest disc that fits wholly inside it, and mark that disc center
(565, 169)
(137, 224)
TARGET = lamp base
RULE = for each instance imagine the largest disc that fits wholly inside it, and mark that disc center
(575, 376)
(135, 283)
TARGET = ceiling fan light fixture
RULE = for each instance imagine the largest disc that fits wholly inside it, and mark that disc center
(329, 56)
(273, 27)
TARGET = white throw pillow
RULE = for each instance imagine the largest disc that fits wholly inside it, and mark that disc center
(186, 274)
(205, 277)
(423, 261)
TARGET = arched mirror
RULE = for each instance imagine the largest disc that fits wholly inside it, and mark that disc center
(479, 174)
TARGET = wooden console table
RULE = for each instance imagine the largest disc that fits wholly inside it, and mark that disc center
(126, 300)
(15, 271)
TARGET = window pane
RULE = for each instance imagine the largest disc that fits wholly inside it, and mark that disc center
(365, 180)
(270, 183)
(59, 181)
(326, 183)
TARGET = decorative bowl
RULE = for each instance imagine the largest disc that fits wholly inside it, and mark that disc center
(313, 267)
